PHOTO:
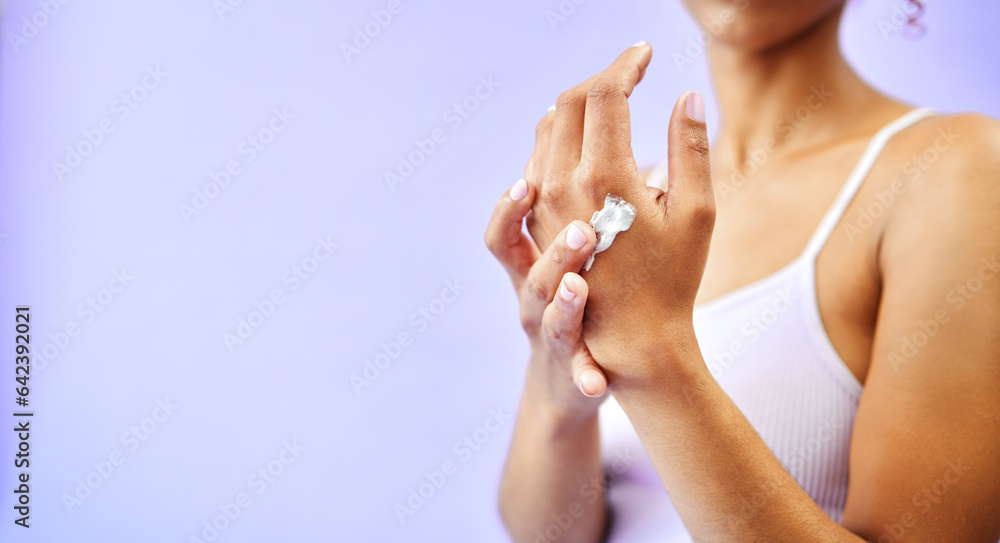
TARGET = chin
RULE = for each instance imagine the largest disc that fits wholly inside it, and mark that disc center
(758, 25)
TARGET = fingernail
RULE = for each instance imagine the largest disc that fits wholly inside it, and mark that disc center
(695, 106)
(589, 381)
(552, 108)
(564, 293)
(519, 190)
(640, 44)
(574, 237)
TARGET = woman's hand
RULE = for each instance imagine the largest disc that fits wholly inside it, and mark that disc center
(552, 298)
(642, 289)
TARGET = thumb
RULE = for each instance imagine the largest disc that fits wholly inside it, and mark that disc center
(689, 177)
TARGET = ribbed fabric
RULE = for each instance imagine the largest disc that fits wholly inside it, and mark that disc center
(767, 348)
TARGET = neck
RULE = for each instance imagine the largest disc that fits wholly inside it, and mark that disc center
(792, 96)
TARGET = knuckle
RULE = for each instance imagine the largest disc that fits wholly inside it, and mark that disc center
(488, 239)
(490, 235)
(568, 100)
(593, 175)
(530, 322)
(492, 243)
(702, 217)
(560, 257)
(559, 331)
(696, 143)
(603, 90)
(558, 328)
(553, 195)
(543, 127)
(535, 288)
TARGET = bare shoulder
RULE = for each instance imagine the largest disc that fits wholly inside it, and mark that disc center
(948, 179)
(953, 154)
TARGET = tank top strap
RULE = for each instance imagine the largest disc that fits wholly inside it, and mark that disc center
(857, 177)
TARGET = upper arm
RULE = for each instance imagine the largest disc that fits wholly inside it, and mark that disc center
(925, 452)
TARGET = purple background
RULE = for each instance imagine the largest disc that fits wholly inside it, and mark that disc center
(322, 175)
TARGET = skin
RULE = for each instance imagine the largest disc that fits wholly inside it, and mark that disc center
(925, 422)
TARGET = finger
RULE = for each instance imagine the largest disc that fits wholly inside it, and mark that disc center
(566, 253)
(504, 236)
(607, 132)
(567, 132)
(562, 324)
(589, 378)
(534, 171)
(562, 320)
(568, 125)
(690, 190)
(587, 375)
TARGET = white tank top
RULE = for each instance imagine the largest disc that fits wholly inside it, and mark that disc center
(766, 347)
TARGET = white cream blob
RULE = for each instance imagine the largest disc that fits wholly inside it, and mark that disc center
(617, 216)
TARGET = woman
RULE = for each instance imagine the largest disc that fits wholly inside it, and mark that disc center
(828, 371)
